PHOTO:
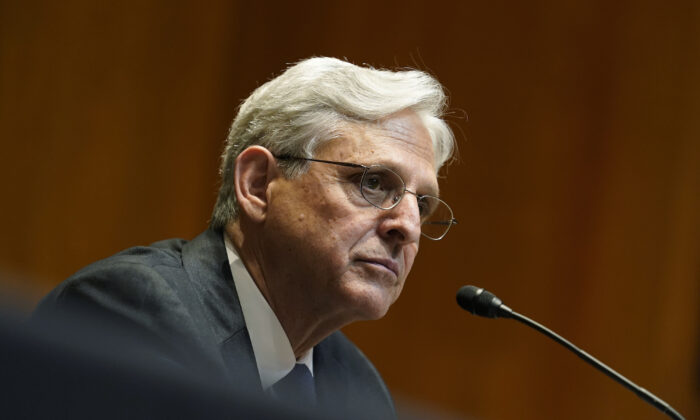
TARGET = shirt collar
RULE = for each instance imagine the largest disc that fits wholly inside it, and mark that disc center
(274, 355)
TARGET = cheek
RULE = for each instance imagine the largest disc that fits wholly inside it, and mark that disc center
(409, 254)
(338, 222)
(325, 224)
(321, 216)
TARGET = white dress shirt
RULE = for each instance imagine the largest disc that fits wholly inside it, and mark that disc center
(273, 352)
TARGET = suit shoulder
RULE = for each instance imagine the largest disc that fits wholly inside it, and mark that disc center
(149, 259)
(140, 272)
(161, 253)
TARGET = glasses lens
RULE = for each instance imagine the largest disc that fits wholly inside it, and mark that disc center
(382, 187)
(436, 217)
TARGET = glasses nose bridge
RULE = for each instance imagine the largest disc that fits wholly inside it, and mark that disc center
(399, 195)
(406, 190)
(414, 210)
(416, 195)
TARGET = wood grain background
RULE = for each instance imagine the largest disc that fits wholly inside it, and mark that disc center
(577, 189)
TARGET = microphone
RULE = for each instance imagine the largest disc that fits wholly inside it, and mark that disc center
(483, 303)
(480, 302)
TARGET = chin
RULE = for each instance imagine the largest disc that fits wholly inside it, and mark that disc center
(370, 301)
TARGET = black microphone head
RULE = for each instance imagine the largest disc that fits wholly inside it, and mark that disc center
(480, 302)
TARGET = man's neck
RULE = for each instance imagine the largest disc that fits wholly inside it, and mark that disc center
(303, 327)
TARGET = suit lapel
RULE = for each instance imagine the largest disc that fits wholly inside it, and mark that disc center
(207, 266)
(240, 361)
(330, 376)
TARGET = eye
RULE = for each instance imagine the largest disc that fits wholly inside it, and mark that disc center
(382, 187)
(424, 208)
(372, 182)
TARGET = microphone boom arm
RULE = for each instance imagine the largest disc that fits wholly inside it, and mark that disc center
(602, 367)
(483, 303)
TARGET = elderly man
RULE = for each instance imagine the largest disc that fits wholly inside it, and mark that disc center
(328, 183)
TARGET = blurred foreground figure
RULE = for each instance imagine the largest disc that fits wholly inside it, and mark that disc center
(328, 183)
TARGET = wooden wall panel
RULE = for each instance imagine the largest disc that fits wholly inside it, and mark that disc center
(577, 190)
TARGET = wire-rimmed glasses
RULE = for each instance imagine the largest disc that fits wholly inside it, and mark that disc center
(383, 188)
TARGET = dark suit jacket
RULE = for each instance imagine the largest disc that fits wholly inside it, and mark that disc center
(177, 299)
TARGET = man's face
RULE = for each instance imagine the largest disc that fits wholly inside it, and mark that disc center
(329, 249)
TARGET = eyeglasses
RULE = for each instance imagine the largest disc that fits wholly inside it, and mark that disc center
(384, 189)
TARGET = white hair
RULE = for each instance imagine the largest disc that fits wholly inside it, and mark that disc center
(312, 101)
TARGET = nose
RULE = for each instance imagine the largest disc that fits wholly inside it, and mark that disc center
(402, 223)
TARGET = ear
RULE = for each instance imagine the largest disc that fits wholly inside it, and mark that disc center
(255, 168)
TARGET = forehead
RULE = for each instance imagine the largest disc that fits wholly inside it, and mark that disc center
(400, 142)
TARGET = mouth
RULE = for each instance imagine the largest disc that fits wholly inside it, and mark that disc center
(383, 263)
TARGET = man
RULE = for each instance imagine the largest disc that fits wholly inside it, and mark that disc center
(329, 180)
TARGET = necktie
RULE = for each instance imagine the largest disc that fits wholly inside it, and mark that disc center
(297, 388)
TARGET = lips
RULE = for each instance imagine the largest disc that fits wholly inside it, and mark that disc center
(388, 264)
